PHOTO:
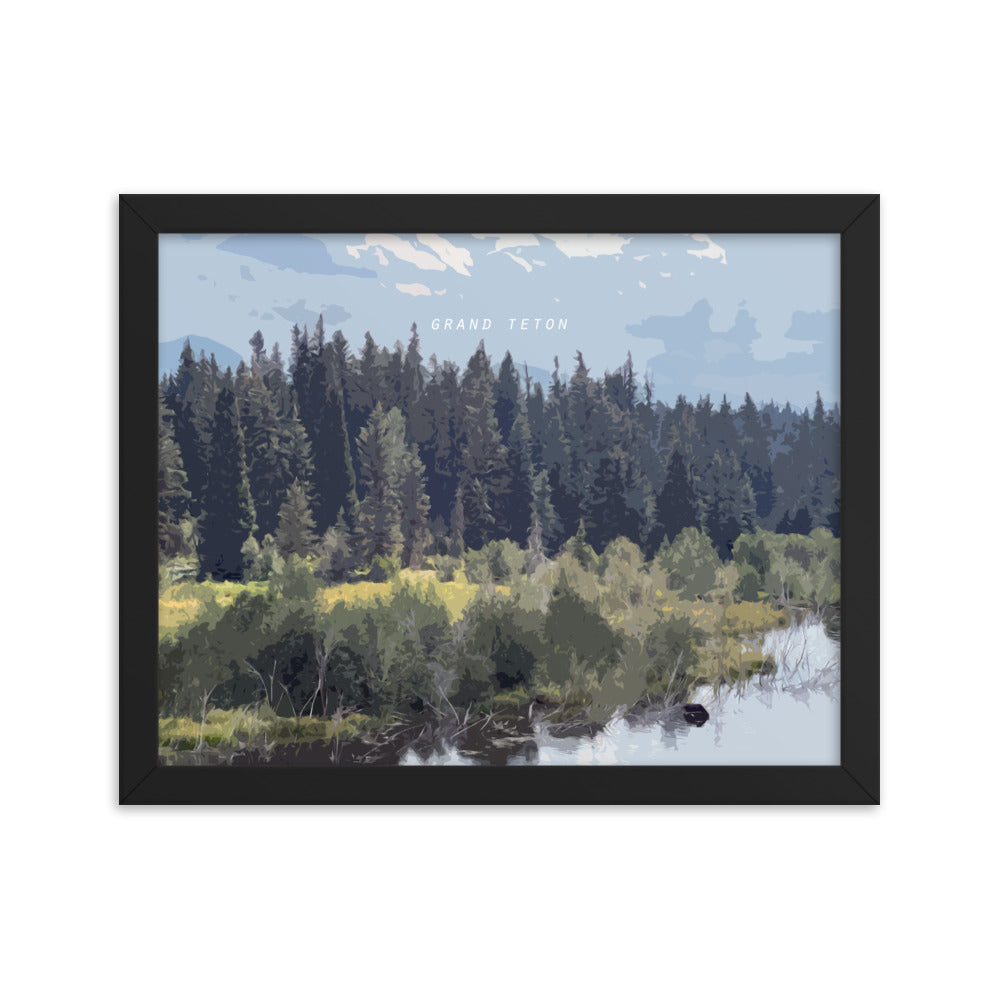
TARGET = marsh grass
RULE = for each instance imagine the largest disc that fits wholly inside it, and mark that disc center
(487, 637)
(259, 726)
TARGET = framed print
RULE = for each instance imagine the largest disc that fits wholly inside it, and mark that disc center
(499, 499)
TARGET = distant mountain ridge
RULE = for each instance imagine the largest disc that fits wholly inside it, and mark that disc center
(170, 353)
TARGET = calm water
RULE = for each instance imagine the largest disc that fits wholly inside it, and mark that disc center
(791, 717)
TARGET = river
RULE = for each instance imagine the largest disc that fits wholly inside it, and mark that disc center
(789, 717)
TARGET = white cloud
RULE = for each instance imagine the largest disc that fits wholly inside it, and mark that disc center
(588, 244)
(538, 263)
(382, 259)
(642, 284)
(664, 274)
(414, 289)
(457, 258)
(713, 251)
(440, 291)
(641, 256)
(506, 241)
(401, 249)
(520, 260)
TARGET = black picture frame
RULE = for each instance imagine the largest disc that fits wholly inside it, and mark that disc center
(142, 217)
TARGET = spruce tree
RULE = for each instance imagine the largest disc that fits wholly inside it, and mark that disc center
(414, 508)
(296, 534)
(508, 397)
(676, 505)
(544, 514)
(173, 496)
(193, 405)
(606, 512)
(516, 500)
(378, 532)
(456, 538)
(257, 347)
(228, 517)
(483, 474)
(729, 503)
(413, 376)
(334, 478)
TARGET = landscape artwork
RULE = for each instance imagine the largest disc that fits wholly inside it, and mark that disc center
(493, 499)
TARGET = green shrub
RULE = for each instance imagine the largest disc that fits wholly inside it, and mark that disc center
(383, 569)
(577, 634)
(336, 558)
(445, 567)
(294, 578)
(690, 562)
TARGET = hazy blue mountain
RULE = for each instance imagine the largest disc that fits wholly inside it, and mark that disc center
(170, 353)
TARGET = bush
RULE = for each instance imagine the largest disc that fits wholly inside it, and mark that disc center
(672, 648)
(294, 578)
(576, 634)
(690, 562)
(797, 568)
(581, 550)
(496, 562)
(410, 629)
(336, 559)
(627, 584)
(383, 569)
(445, 568)
(505, 639)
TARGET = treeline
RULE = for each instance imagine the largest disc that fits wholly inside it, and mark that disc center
(383, 458)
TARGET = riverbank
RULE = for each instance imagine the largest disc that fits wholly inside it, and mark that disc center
(784, 710)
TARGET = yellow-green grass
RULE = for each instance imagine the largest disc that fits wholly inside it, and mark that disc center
(228, 727)
(184, 602)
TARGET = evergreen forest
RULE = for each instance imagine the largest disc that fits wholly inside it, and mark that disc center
(354, 547)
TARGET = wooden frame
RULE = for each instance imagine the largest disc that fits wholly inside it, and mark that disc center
(855, 217)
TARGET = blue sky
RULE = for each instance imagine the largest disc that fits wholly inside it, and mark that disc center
(702, 313)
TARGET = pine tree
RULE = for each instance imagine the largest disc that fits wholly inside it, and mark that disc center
(729, 503)
(296, 534)
(544, 514)
(228, 517)
(508, 397)
(320, 407)
(456, 539)
(535, 410)
(257, 347)
(435, 427)
(335, 482)
(173, 496)
(580, 548)
(413, 377)
(606, 512)
(193, 404)
(580, 433)
(378, 533)
(676, 505)
(414, 508)
(515, 502)
(483, 474)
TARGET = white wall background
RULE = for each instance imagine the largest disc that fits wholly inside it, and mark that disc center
(451, 97)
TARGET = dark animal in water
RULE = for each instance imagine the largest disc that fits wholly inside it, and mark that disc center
(696, 714)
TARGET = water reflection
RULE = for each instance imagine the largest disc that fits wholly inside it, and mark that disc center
(791, 716)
